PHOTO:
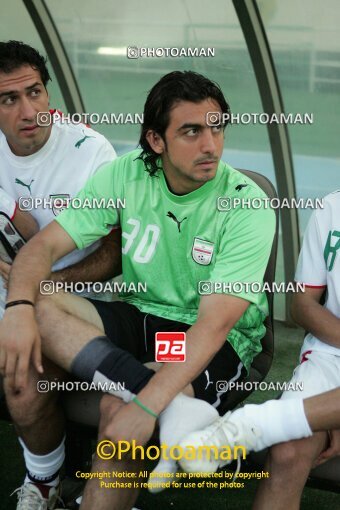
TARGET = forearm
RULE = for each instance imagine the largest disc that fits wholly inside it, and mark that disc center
(202, 343)
(34, 261)
(319, 321)
(25, 223)
(101, 265)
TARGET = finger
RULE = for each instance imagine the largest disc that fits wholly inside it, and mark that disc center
(21, 373)
(36, 355)
(326, 455)
(4, 275)
(4, 267)
(11, 362)
(318, 463)
(323, 459)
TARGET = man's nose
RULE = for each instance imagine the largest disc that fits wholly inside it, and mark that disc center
(27, 109)
(208, 141)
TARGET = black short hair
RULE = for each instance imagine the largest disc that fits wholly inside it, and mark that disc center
(14, 54)
(169, 90)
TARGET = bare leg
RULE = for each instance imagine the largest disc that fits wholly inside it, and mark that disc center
(323, 411)
(33, 413)
(66, 323)
(289, 465)
(38, 419)
(97, 496)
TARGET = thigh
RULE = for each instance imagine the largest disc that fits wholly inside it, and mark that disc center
(123, 324)
(80, 307)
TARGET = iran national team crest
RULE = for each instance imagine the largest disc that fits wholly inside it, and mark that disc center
(202, 251)
(59, 203)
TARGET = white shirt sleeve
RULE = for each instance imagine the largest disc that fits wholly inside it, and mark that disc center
(105, 154)
(7, 204)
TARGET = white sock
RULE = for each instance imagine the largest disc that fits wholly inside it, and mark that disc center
(42, 468)
(182, 416)
(278, 420)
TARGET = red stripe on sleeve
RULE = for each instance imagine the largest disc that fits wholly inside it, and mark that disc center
(15, 210)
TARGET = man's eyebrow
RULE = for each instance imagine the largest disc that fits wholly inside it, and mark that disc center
(13, 92)
(36, 84)
(190, 125)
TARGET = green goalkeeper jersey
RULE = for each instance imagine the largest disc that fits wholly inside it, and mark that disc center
(173, 243)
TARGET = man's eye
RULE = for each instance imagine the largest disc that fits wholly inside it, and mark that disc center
(9, 100)
(217, 129)
(192, 132)
(35, 93)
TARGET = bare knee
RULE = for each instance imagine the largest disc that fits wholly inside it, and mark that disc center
(296, 456)
(38, 399)
(28, 406)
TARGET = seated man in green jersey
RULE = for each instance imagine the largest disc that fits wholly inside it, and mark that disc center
(186, 251)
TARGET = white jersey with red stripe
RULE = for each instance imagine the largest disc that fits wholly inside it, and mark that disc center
(319, 262)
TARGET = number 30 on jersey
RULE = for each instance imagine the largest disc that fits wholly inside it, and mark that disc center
(145, 249)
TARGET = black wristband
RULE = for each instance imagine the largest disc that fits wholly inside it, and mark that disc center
(19, 302)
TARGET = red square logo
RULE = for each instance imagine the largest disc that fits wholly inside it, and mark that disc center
(170, 347)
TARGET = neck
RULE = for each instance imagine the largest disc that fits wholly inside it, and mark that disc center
(29, 149)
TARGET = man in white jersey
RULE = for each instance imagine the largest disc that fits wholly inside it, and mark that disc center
(51, 163)
(175, 239)
(319, 371)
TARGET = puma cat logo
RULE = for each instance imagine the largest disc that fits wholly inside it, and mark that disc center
(18, 181)
(173, 217)
(82, 140)
(240, 186)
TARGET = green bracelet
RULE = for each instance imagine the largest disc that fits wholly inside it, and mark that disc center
(146, 409)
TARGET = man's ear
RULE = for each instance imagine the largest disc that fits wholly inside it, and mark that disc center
(156, 142)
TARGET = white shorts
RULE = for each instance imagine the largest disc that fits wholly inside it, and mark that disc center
(318, 372)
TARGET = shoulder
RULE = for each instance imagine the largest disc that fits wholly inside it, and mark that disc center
(127, 167)
(329, 213)
(332, 201)
(237, 184)
(81, 137)
(131, 163)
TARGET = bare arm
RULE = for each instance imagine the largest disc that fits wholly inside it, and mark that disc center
(101, 265)
(19, 335)
(34, 261)
(25, 223)
(313, 317)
